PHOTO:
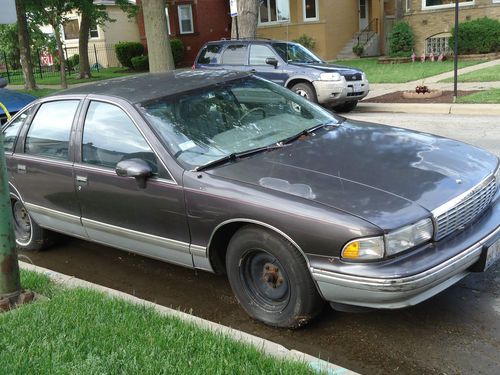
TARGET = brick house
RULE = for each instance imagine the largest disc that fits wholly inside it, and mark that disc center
(194, 22)
(433, 20)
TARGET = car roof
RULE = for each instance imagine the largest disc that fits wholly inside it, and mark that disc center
(248, 41)
(148, 86)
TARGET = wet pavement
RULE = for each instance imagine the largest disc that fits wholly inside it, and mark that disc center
(456, 332)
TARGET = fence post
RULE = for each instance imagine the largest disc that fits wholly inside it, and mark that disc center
(10, 284)
(96, 62)
(6, 66)
(40, 64)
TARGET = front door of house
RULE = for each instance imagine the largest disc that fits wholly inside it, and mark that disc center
(363, 14)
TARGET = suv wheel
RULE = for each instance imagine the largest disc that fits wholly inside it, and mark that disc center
(345, 107)
(305, 90)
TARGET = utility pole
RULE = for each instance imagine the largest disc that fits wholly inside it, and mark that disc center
(10, 284)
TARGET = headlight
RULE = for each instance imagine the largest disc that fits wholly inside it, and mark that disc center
(330, 77)
(409, 236)
(373, 248)
(363, 76)
(364, 249)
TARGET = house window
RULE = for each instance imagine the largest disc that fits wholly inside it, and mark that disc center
(436, 4)
(185, 18)
(437, 46)
(310, 10)
(71, 29)
(93, 32)
(408, 6)
(274, 11)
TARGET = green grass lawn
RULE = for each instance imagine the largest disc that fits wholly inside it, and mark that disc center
(487, 96)
(400, 73)
(80, 331)
(484, 75)
(54, 78)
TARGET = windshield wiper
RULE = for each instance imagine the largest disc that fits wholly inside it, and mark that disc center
(306, 132)
(238, 155)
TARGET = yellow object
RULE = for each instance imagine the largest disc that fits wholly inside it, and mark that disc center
(6, 112)
(351, 251)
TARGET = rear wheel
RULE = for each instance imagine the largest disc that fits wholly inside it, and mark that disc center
(29, 235)
(345, 107)
(306, 90)
(270, 278)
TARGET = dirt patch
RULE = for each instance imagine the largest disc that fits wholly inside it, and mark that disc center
(397, 97)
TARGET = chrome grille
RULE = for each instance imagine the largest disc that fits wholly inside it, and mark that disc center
(468, 207)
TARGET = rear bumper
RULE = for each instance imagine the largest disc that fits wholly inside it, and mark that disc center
(397, 292)
(338, 92)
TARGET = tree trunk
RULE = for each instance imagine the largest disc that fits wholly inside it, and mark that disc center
(83, 45)
(24, 46)
(155, 23)
(62, 59)
(248, 11)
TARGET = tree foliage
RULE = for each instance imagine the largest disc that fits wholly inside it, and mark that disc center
(478, 36)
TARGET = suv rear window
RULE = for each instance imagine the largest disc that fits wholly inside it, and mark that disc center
(235, 54)
(209, 54)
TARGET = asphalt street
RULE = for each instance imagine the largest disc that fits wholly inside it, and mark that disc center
(455, 332)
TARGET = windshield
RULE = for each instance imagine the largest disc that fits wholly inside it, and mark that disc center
(205, 125)
(295, 53)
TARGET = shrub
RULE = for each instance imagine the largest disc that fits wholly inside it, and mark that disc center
(73, 61)
(401, 40)
(306, 41)
(126, 50)
(177, 50)
(140, 63)
(358, 49)
(477, 36)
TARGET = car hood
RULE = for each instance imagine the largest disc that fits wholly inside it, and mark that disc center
(14, 100)
(330, 68)
(385, 175)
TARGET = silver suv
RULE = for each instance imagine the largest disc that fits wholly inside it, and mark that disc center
(290, 65)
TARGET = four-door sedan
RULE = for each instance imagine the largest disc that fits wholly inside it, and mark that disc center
(230, 173)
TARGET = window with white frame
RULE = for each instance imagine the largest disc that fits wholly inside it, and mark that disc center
(407, 6)
(437, 45)
(436, 4)
(310, 10)
(185, 13)
(71, 29)
(93, 32)
(274, 11)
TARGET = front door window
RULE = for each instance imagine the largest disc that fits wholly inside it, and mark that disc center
(363, 14)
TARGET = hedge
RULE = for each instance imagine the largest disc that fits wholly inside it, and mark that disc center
(401, 40)
(477, 36)
(126, 50)
(140, 63)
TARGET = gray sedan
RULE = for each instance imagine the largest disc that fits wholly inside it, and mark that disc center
(229, 173)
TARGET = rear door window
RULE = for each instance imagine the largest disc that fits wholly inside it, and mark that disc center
(11, 132)
(50, 130)
(259, 53)
(235, 54)
(210, 54)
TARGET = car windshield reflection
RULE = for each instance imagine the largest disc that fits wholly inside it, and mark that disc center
(203, 126)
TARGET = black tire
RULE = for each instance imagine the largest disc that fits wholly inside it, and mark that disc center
(29, 235)
(270, 278)
(306, 90)
(345, 107)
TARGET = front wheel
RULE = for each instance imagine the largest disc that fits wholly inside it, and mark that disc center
(270, 278)
(306, 90)
(29, 235)
(345, 107)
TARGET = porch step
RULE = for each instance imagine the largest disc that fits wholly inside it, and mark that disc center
(346, 52)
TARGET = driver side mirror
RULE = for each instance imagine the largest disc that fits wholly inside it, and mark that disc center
(272, 61)
(137, 168)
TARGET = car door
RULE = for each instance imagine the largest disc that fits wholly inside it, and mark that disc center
(116, 210)
(258, 55)
(235, 57)
(41, 168)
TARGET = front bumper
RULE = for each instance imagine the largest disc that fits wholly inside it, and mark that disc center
(338, 92)
(394, 286)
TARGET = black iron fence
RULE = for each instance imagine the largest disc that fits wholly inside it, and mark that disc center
(46, 65)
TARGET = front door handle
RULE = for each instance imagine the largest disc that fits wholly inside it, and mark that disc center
(81, 180)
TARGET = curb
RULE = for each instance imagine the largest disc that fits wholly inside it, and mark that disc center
(265, 346)
(441, 108)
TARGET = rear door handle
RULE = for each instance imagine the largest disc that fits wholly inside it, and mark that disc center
(81, 180)
(21, 168)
